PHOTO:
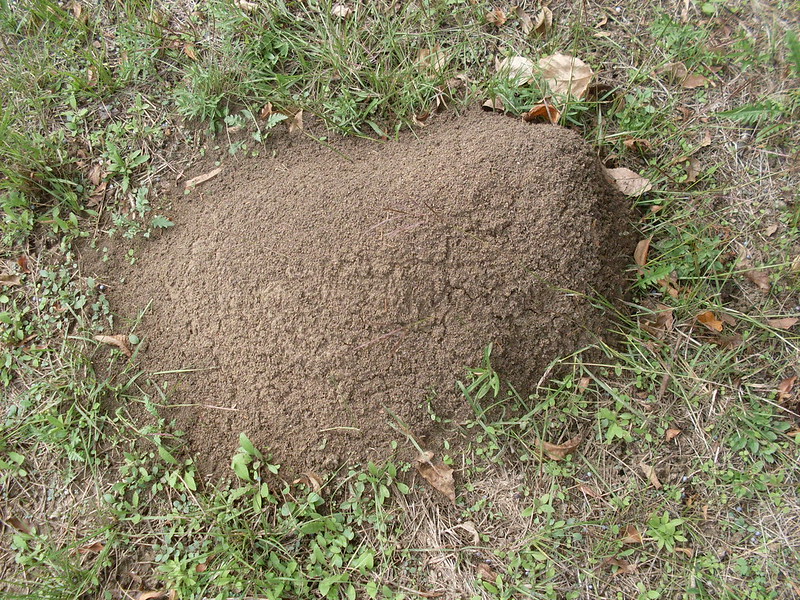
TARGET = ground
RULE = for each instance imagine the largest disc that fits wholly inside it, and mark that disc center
(661, 462)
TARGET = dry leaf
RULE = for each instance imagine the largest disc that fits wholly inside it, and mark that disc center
(96, 174)
(432, 58)
(650, 472)
(10, 280)
(95, 548)
(311, 479)
(693, 81)
(785, 387)
(118, 341)
(664, 318)
(675, 71)
(706, 141)
(470, 528)
(543, 22)
(341, 11)
(542, 112)
(689, 552)
(188, 50)
(20, 525)
(525, 19)
(485, 572)
(771, 230)
(440, 476)
(603, 20)
(561, 451)
(170, 595)
(518, 68)
(783, 323)
(194, 181)
(247, 7)
(496, 17)
(629, 182)
(296, 122)
(566, 75)
(589, 491)
(760, 277)
(22, 261)
(632, 535)
(583, 383)
(201, 567)
(99, 194)
(624, 565)
(672, 434)
(728, 342)
(266, 112)
(494, 104)
(638, 143)
(640, 253)
(692, 169)
(710, 320)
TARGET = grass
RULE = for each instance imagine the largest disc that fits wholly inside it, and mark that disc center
(685, 483)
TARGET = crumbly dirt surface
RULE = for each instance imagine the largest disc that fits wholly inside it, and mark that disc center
(316, 292)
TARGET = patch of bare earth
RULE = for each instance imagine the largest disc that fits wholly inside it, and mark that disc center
(314, 294)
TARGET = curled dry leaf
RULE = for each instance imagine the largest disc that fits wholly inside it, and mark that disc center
(440, 476)
(543, 22)
(118, 341)
(525, 20)
(485, 572)
(561, 451)
(296, 122)
(566, 75)
(589, 491)
(341, 11)
(624, 566)
(266, 111)
(710, 320)
(760, 277)
(95, 548)
(629, 182)
(785, 387)
(640, 253)
(496, 17)
(632, 535)
(311, 479)
(195, 181)
(470, 528)
(672, 434)
(689, 552)
(494, 104)
(518, 68)
(10, 280)
(542, 112)
(189, 50)
(650, 473)
(637, 143)
(96, 174)
(783, 323)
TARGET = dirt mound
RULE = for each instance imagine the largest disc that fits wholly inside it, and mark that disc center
(313, 289)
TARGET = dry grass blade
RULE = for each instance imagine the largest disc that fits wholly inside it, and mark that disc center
(195, 181)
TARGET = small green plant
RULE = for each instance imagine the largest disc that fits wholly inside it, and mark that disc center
(665, 531)
(616, 425)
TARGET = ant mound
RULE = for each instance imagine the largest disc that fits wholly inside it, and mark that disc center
(320, 299)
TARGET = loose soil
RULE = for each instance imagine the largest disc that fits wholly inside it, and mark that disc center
(316, 293)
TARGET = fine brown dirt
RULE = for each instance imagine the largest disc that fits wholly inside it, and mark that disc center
(314, 291)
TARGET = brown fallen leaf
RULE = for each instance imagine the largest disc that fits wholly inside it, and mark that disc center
(96, 174)
(10, 280)
(485, 572)
(561, 451)
(624, 566)
(119, 341)
(165, 595)
(22, 261)
(689, 552)
(98, 195)
(692, 169)
(526, 23)
(440, 476)
(640, 253)
(672, 434)
(201, 567)
(469, 527)
(95, 548)
(341, 11)
(650, 473)
(543, 22)
(632, 535)
(710, 320)
(496, 17)
(517, 68)
(566, 75)
(629, 182)
(771, 230)
(311, 479)
(494, 104)
(692, 81)
(20, 525)
(589, 491)
(783, 323)
(728, 342)
(760, 277)
(296, 122)
(266, 111)
(665, 319)
(637, 143)
(189, 50)
(542, 112)
(432, 58)
(583, 383)
(675, 71)
(195, 181)
(785, 387)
